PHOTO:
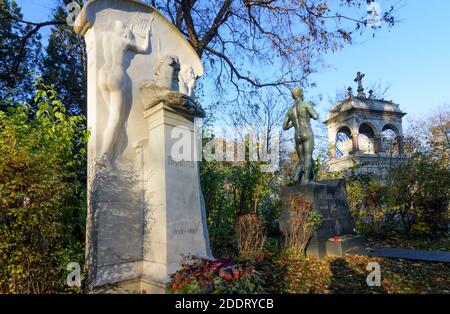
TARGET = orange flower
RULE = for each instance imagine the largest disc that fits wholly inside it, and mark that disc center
(174, 287)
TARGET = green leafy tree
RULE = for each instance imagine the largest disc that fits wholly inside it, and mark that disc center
(42, 200)
(368, 203)
(235, 189)
(420, 195)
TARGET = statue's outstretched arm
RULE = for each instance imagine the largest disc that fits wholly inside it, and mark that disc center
(144, 48)
(312, 112)
(287, 123)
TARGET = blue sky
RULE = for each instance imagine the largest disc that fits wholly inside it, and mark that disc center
(414, 56)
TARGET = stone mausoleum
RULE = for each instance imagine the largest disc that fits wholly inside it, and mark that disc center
(365, 133)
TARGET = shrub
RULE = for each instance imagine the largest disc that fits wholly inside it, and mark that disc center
(420, 195)
(415, 202)
(251, 236)
(368, 203)
(232, 190)
(302, 222)
(41, 152)
(201, 276)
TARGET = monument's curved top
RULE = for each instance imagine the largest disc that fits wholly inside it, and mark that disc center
(174, 41)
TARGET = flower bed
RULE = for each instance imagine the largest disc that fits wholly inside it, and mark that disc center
(216, 277)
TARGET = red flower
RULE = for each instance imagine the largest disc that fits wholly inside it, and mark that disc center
(216, 264)
(236, 275)
(197, 274)
(174, 287)
(228, 277)
(337, 239)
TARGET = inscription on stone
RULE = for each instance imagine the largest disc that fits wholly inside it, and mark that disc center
(186, 231)
(327, 196)
(181, 163)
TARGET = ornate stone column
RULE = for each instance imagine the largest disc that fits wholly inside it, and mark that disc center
(332, 150)
(355, 142)
(401, 145)
(379, 144)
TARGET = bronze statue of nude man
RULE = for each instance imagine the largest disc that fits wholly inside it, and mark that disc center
(298, 117)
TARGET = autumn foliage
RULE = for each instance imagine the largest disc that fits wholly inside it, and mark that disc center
(41, 198)
(251, 236)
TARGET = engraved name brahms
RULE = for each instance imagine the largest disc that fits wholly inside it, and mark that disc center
(181, 163)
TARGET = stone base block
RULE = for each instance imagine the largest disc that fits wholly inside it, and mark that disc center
(347, 245)
(133, 286)
(329, 198)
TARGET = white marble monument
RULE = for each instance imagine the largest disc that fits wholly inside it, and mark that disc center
(146, 208)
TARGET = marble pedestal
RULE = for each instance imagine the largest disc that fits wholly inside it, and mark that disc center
(329, 198)
(176, 221)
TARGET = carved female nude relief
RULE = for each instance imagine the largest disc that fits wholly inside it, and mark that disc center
(112, 76)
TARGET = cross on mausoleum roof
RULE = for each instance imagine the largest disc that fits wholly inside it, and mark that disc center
(358, 79)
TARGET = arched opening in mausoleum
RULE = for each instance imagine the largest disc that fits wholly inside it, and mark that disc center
(389, 139)
(343, 142)
(366, 139)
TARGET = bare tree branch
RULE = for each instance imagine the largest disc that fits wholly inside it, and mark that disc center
(235, 71)
(23, 42)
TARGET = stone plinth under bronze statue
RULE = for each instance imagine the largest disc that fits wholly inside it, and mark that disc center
(329, 198)
(336, 236)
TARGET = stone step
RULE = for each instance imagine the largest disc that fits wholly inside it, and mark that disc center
(409, 254)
